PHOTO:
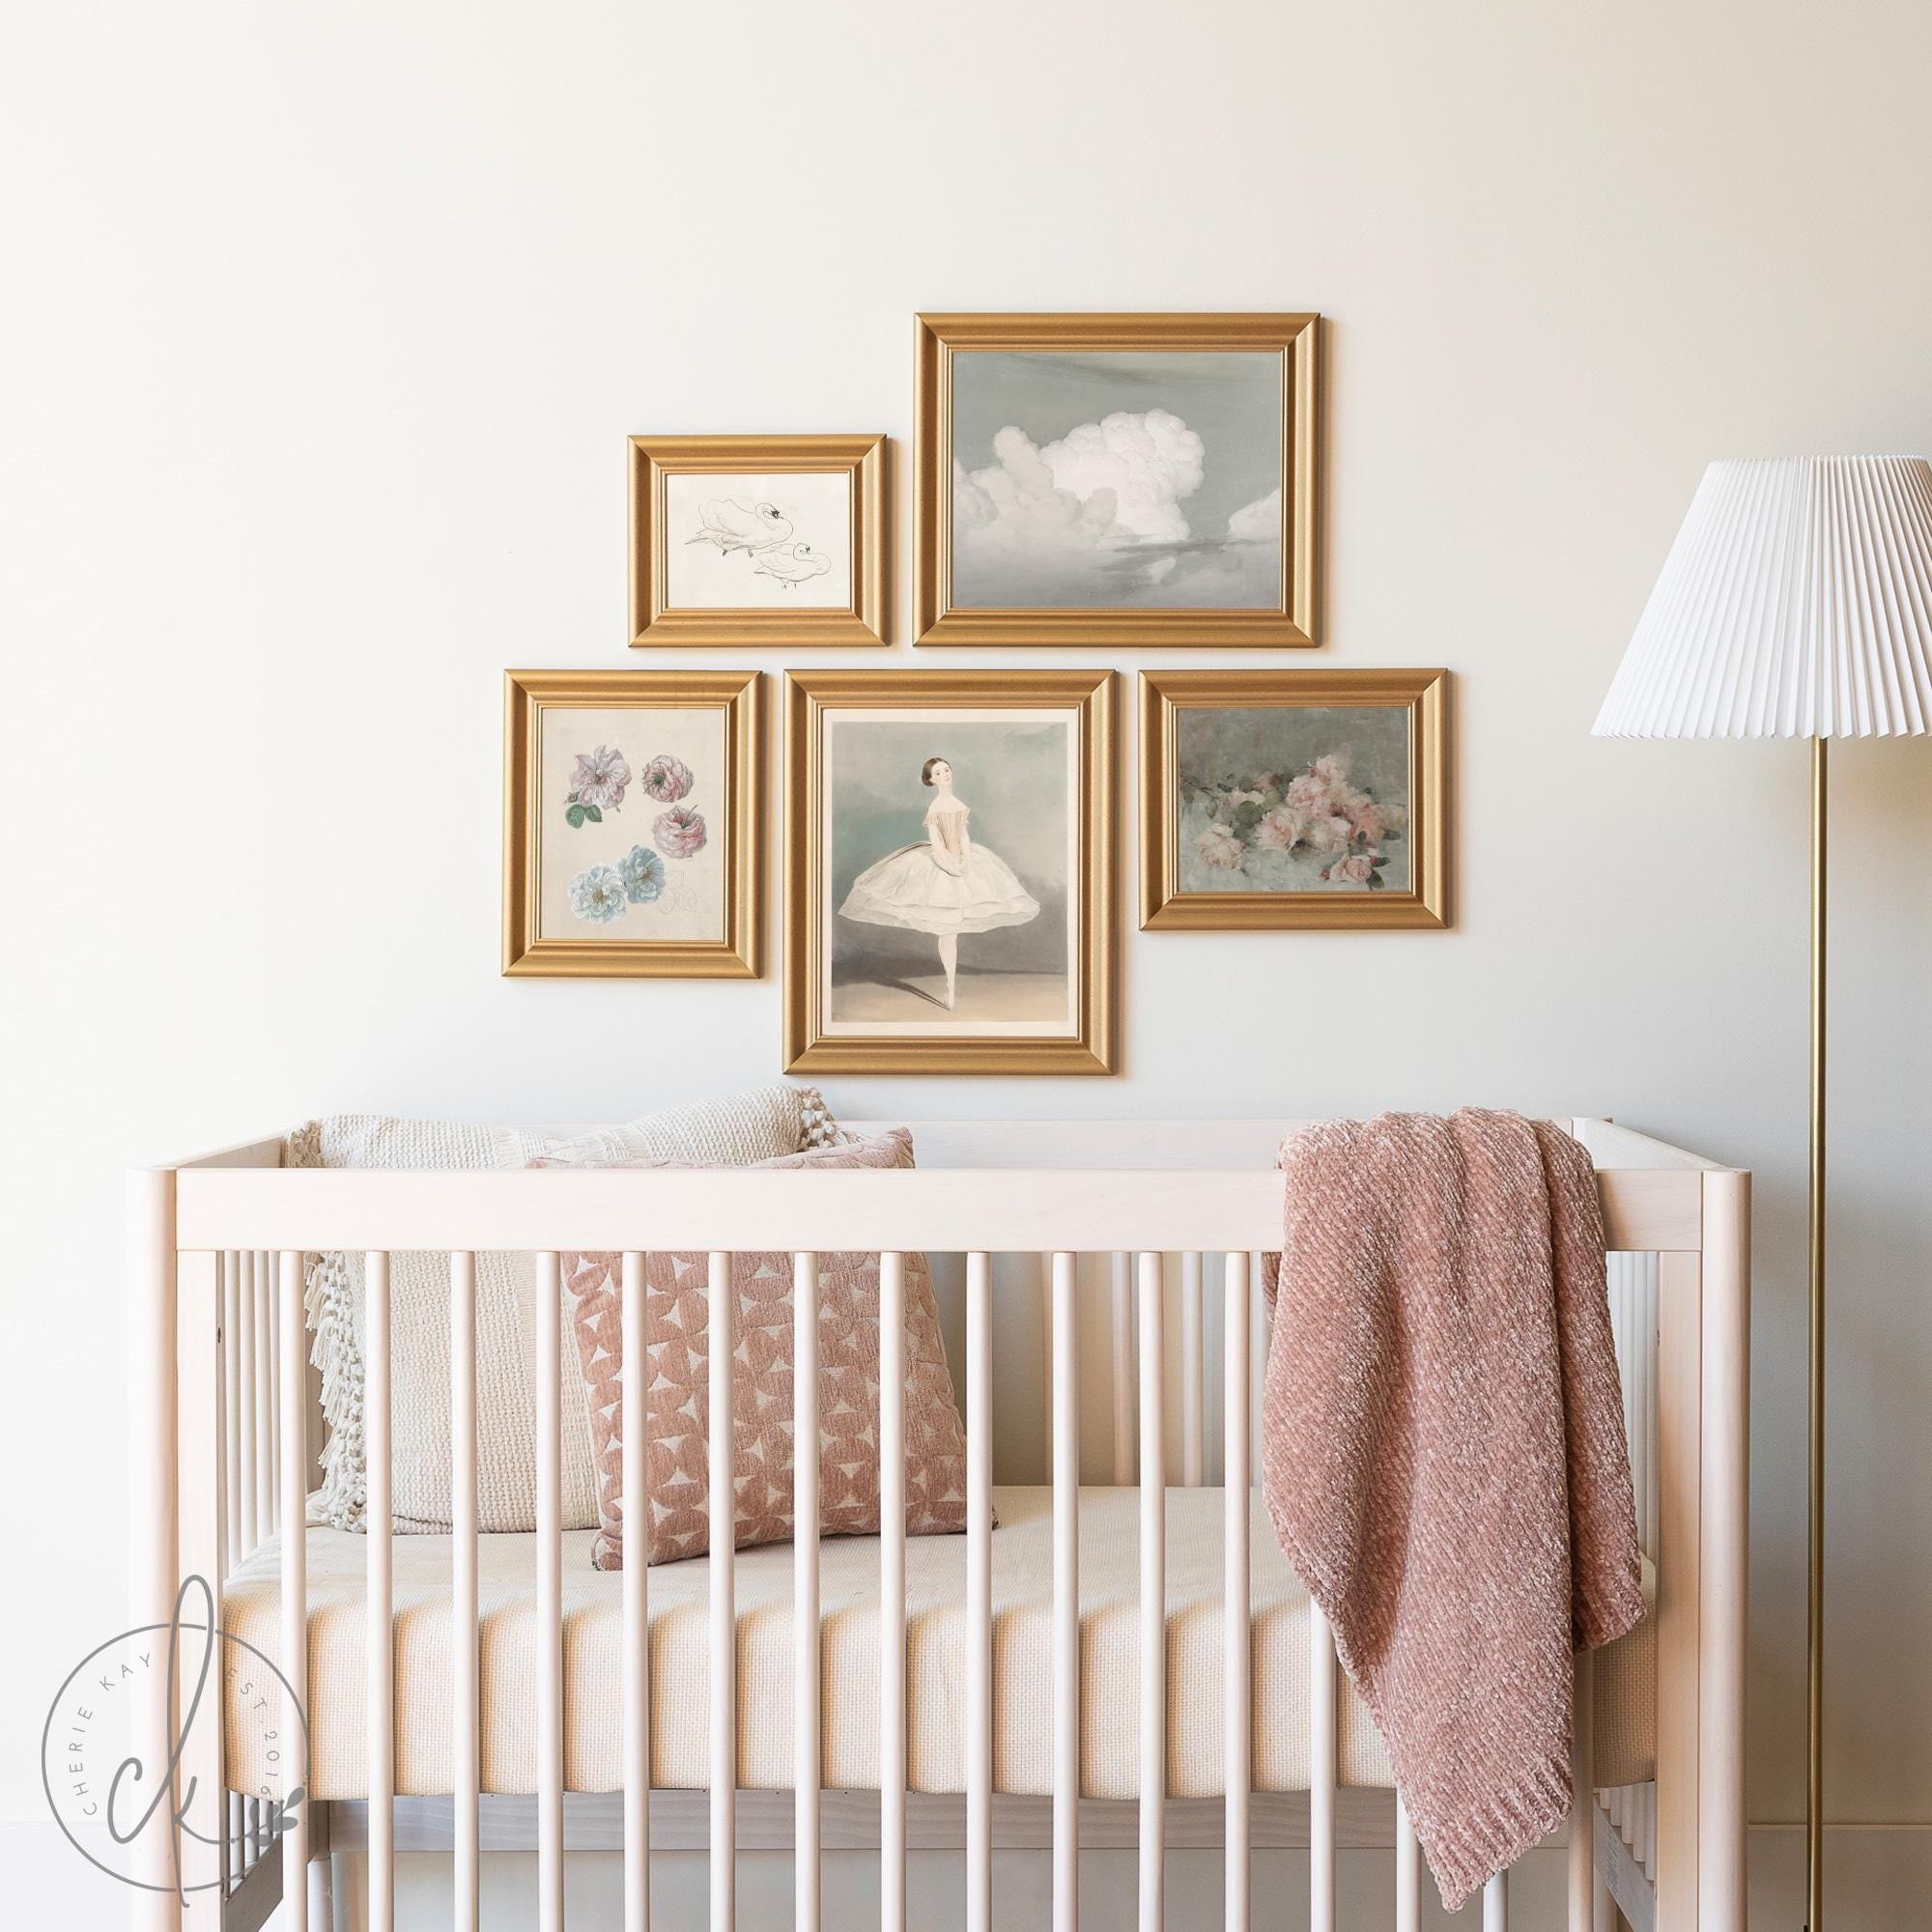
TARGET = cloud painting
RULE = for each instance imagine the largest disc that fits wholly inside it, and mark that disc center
(1148, 481)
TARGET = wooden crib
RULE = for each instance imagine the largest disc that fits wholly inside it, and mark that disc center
(1117, 1252)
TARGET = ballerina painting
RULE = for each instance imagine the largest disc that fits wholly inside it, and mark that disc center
(948, 848)
(944, 885)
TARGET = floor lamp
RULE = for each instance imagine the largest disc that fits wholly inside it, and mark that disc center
(1795, 603)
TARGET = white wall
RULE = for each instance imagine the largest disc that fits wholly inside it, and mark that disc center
(323, 331)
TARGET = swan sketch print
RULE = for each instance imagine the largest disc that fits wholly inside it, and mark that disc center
(761, 532)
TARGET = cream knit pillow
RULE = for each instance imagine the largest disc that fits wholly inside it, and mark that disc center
(753, 1126)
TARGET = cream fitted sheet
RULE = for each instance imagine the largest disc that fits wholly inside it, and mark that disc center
(848, 1574)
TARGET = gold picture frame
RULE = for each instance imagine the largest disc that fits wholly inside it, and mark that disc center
(668, 836)
(1288, 621)
(1009, 716)
(783, 602)
(1279, 820)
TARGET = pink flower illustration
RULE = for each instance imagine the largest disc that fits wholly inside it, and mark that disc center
(1330, 833)
(1353, 870)
(600, 778)
(666, 778)
(1309, 793)
(679, 832)
(1332, 770)
(1220, 849)
(1368, 818)
(1280, 829)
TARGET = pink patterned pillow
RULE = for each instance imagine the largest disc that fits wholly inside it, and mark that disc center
(675, 1327)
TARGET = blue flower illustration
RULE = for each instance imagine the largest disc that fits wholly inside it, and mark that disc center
(598, 895)
(643, 874)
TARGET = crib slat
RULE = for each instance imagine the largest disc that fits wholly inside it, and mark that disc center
(274, 1391)
(550, 1597)
(228, 1541)
(1067, 1593)
(380, 1593)
(230, 1436)
(465, 1748)
(1258, 1353)
(1496, 1904)
(636, 1516)
(978, 1711)
(263, 1384)
(1154, 1601)
(1583, 1848)
(1046, 1373)
(1408, 1872)
(1193, 1394)
(1237, 1635)
(292, 1458)
(1124, 1371)
(891, 1595)
(1321, 1773)
(245, 1407)
(720, 1474)
(807, 1743)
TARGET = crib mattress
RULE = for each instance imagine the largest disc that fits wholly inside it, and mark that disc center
(1626, 1697)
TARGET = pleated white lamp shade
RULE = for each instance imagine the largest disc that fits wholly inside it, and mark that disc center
(1795, 603)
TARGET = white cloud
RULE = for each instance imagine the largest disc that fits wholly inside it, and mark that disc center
(1259, 522)
(1061, 524)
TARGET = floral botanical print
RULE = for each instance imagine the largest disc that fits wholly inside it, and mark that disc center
(666, 779)
(598, 781)
(679, 832)
(643, 872)
(598, 895)
(597, 784)
(1293, 799)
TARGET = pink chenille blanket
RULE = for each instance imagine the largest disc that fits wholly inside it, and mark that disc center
(1445, 1457)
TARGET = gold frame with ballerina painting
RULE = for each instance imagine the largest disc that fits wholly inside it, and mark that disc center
(633, 836)
(950, 872)
(1289, 800)
(1117, 480)
(749, 540)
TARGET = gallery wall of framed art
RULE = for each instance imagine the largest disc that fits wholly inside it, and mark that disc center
(952, 838)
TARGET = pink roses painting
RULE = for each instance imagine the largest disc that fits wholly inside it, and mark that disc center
(1315, 813)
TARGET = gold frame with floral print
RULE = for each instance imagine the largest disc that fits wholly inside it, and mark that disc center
(1332, 818)
(737, 952)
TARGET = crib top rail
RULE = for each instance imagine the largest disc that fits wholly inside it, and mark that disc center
(997, 1186)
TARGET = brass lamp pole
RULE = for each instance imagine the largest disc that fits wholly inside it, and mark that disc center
(1814, 1595)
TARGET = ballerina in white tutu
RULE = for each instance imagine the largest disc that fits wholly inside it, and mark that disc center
(945, 887)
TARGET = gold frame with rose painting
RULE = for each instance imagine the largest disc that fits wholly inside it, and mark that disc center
(633, 830)
(922, 805)
(1293, 800)
(758, 540)
(1126, 481)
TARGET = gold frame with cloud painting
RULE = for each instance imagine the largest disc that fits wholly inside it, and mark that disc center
(1117, 481)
